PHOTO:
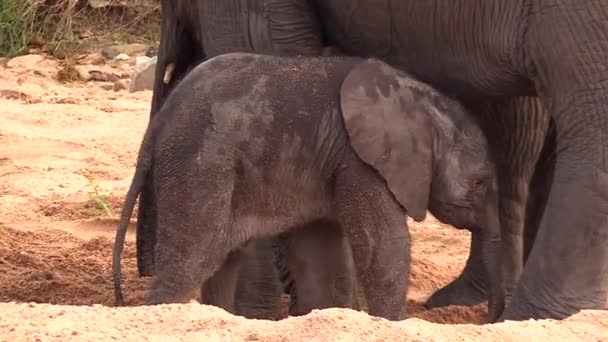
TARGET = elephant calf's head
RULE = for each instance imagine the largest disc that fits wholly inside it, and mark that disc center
(429, 150)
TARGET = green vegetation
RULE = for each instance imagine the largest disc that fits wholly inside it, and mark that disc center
(62, 27)
(26, 22)
(101, 201)
(16, 25)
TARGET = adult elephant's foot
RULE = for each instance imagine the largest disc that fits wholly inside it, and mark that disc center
(470, 287)
(567, 270)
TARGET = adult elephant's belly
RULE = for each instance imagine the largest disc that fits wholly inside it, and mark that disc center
(429, 40)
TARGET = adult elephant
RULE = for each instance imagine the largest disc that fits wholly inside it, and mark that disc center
(486, 53)
(525, 156)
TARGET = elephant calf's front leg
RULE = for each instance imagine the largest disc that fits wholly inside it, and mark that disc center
(379, 238)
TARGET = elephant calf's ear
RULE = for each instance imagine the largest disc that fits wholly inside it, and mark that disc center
(390, 131)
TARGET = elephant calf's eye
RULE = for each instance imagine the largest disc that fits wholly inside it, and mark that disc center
(478, 184)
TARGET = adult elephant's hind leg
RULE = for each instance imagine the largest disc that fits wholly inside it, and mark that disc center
(319, 260)
(220, 289)
(259, 291)
(379, 237)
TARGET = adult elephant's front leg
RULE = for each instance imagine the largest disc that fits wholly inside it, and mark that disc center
(470, 287)
(516, 129)
(567, 269)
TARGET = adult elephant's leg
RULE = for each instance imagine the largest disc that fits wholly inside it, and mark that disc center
(259, 291)
(540, 185)
(171, 43)
(470, 286)
(516, 129)
(220, 289)
(567, 269)
(319, 260)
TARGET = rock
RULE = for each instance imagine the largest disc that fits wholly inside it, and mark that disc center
(110, 52)
(3, 61)
(143, 77)
(122, 57)
(121, 85)
(59, 53)
(34, 51)
(11, 94)
(100, 76)
(94, 59)
(151, 52)
(25, 61)
(107, 86)
(135, 49)
(125, 74)
(107, 3)
(141, 60)
(84, 75)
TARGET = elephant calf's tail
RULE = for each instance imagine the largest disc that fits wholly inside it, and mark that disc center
(144, 164)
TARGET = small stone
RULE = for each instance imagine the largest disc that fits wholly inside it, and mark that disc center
(107, 86)
(134, 49)
(151, 52)
(25, 61)
(94, 59)
(110, 52)
(34, 51)
(97, 75)
(121, 85)
(125, 74)
(84, 75)
(253, 337)
(122, 57)
(59, 53)
(3, 61)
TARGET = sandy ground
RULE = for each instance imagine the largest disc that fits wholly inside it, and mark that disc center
(61, 143)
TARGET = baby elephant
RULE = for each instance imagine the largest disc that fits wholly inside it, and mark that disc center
(250, 146)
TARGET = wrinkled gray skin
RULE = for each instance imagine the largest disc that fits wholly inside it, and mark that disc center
(492, 55)
(527, 193)
(259, 145)
(260, 285)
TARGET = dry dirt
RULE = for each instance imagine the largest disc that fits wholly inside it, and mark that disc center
(58, 143)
